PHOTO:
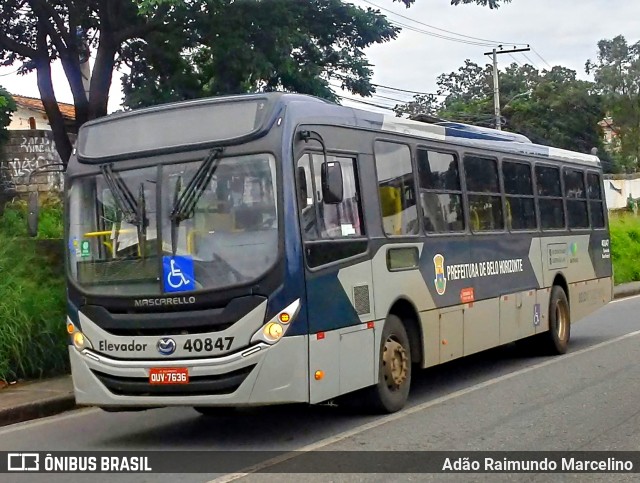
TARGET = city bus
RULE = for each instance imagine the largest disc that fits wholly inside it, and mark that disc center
(278, 248)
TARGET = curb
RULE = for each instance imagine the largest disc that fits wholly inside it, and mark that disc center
(37, 409)
(626, 290)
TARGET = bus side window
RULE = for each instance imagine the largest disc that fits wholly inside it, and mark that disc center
(576, 195)
(518, 186)
(483, 193)
(596, 203)
(396, 188)
(550, 197)
(440, 192)
(303, 190)
(322, 220)
(306, 205)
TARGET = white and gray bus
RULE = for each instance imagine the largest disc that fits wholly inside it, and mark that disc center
(278, 248)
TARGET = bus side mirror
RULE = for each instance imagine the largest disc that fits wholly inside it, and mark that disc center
(331, 175)
(32, 214)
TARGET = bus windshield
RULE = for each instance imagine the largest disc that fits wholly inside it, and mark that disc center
(120, 225)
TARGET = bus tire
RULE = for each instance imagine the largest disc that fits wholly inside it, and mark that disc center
(394, 371)
(556, 340)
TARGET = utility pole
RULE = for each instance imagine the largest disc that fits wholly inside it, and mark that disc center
(496, 84)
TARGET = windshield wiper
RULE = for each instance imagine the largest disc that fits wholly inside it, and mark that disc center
(142, 221)
(133, 211)
(184, 204)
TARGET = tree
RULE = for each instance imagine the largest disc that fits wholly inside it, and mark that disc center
(617, 78)
(34, 33)
(7, 107)
(421, 104)
(235, 47)
(560, 110)
(550, 107)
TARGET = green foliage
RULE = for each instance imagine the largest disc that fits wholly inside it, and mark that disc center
(14, 220)
(230, 47)
(550, 107)
(182, 49)
(236, 47)
(617, 76)
(146, 7)
(7, 107)
(625, 247)
(33, 339)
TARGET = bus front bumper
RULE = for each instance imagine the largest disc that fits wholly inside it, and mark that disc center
(274, 374)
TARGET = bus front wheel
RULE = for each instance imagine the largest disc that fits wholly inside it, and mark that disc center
(394, 370)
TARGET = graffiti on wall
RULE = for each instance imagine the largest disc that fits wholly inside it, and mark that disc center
(23, 155)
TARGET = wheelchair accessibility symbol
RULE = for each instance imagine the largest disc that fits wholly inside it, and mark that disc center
(178, 274)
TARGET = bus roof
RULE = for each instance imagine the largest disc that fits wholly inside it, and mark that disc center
(453, 132)
(304, 106)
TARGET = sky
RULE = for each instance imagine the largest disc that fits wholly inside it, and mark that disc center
(561, 32)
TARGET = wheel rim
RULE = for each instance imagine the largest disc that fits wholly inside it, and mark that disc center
(562, 320)
(394, 363)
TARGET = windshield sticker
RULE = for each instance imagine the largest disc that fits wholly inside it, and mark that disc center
(178, 273)
(74, 246)
(85, 249)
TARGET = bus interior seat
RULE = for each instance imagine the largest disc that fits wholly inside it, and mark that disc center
(247, 218)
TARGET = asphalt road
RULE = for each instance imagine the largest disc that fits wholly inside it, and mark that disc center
(501, 399)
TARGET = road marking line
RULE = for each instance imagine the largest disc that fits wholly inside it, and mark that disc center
(412, 410)
(48, 419)
(624, 299)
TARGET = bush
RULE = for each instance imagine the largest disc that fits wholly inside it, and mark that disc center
(14, 221)
(625, 247)
(33, 340)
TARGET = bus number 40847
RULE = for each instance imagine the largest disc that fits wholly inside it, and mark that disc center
(208, 344)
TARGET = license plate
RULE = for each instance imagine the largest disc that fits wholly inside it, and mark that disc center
(168, 375)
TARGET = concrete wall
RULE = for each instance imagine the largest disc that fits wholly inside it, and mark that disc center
(618, 187)
(25, 151)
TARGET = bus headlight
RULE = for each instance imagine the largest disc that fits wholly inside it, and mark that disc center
(274, 329)
(80, 341)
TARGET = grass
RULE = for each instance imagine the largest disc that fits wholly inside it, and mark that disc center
(625, 247)
(33, 339)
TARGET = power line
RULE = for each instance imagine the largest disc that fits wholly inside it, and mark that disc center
(365, 102)
(408, 91)
(541, 58)
(440, 36)
(403, 101)
(530, 61)
(441, 29)
(393, 99)
(515, 60)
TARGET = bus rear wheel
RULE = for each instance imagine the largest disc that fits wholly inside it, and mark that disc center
(556, 340)
(394, 372)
